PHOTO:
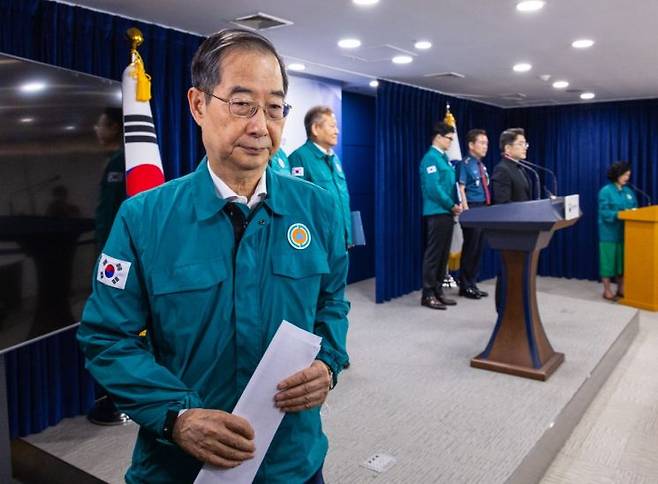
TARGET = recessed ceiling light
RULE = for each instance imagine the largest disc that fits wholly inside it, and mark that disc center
(374, 83)
(69, 128)
(26, 120)
(530, 5)
(402, 59)
(349, 43)
(522, 67)
(582, 43)
(587, 95)
(423, 45)
(296, 66)
(33, 86)
(365, 3)
(560, 84)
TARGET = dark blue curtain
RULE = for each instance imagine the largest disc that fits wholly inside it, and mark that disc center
(358, 136)
(405, 116)
(579, 142)
(46, 380)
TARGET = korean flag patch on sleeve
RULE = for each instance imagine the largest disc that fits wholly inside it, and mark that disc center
(113, 272)
(431, 169)
(297, 171)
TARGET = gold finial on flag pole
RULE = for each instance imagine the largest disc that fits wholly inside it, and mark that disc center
(134, 35)
(449, 118)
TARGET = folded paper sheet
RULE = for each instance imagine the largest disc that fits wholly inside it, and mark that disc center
(291, 350)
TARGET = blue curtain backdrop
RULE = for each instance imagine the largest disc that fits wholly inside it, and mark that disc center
(405, 116)
(46, 381)
(358, 137)
(578, 142)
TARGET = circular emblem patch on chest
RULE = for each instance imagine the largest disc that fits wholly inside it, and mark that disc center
(299, 237)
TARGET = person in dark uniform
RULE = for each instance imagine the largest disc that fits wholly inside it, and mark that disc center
(109, 131)
(440, 205)
(509, 181)
(473, 182)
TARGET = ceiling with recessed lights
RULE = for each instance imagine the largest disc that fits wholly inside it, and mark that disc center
(474, 44)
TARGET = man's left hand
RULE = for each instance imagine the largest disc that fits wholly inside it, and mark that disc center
(305, 389)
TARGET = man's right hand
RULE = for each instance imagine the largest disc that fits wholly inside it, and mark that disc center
(456, 209)
(215, 437)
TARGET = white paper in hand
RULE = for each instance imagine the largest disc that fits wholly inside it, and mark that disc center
(291, 350)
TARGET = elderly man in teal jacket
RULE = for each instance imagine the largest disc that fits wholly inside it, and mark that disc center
(316, 162)
(209, 265)
(440, 205)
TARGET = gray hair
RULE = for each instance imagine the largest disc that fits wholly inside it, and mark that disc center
(207, 60)
(314, 116)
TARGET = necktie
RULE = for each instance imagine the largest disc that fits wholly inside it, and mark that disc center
(485, 183)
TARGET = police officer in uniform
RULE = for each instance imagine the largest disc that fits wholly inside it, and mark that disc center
(316, 162)
(210, 264)
(440, 205)
(474, 186)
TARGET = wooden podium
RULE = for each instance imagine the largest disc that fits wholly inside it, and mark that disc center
(519, 345)
(641, 257)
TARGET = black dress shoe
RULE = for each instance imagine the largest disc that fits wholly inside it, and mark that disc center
(470, 293)
(446, 300)
(432, 302)
(482, 293)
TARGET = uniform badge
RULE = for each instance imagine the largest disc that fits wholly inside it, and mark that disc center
(297, 171)
(628, 195)
(113, 272)
(339, 168)
(282, 163)
(299, 237)
(431, 169)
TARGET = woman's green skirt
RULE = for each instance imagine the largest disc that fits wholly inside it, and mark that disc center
(611, 259)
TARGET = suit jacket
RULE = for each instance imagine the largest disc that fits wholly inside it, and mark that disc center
(509, 183)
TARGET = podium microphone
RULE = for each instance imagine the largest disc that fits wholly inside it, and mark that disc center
(528, 167)
(644, 194)
(551, 172)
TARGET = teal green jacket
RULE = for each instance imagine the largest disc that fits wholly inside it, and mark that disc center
(311, 164)
(611, 201)
(437, 183)
(210, 314)
(112, 195)
(279, 162)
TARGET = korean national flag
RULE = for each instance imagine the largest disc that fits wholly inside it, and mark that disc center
(113, 272)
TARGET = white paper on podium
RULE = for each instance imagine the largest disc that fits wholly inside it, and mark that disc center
(291, 350)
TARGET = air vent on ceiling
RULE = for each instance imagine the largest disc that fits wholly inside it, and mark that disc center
(260, 21)
(514, 96)
(445, 75)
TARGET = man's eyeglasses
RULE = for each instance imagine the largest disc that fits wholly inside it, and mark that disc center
(248, 109)
(451, 138)
(523, 145)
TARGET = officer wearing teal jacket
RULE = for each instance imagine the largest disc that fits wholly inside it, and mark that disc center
(316, 162)
(613, 198)
(440, 205)
(210, 264)
(279, 162)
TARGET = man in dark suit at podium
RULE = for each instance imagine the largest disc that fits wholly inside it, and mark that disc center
(509, 181)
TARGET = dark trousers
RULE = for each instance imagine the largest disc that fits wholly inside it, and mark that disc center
(469, 265)
(437, 250)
